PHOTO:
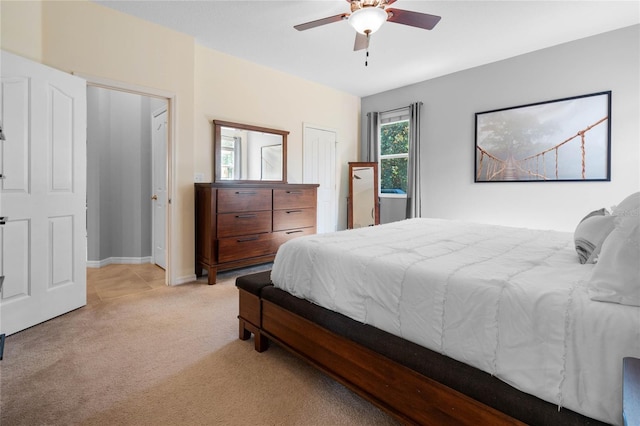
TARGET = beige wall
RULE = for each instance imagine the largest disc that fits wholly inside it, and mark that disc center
(21, 28)
(232, 89)
(86, 38)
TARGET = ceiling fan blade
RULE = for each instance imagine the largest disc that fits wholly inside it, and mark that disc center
(362, 42)
(323, 21)
(387, 3)
(414, 19)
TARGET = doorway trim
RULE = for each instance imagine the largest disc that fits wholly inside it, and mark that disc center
(171, 99)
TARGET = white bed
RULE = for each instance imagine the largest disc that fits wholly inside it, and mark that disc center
(513, 302)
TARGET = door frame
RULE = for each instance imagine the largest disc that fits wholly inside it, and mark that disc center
(171, 99)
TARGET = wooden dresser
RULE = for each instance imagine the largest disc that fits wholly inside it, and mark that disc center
(243, 224)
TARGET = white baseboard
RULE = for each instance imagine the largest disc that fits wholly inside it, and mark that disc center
(137, 261)
(122, 260)
(184, 280)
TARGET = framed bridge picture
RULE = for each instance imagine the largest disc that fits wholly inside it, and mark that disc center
(561, 140)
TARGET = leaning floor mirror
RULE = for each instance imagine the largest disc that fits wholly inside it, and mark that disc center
(363, 206)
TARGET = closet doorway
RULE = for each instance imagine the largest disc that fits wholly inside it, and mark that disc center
(319, 166)
(128, 141)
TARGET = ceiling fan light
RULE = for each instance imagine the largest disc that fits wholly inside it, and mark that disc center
(368, 19)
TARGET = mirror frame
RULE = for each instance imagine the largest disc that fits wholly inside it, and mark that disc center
(376, 198)
(217, 149)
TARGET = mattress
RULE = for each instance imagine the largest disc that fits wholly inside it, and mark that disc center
(512, 302)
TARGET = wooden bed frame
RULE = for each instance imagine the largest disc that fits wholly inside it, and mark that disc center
(409, 395)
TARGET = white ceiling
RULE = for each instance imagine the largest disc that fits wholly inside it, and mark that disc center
(470, 33)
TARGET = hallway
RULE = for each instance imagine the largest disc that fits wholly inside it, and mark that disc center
(118, 280)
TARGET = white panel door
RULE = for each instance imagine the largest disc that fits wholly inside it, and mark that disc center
(319, 166)
(42, 193)
(159, 178)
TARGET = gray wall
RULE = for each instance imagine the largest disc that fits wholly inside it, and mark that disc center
(608, 61)
(118, 175)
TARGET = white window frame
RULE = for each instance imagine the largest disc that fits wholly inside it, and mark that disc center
(391, 117)
(236, 156)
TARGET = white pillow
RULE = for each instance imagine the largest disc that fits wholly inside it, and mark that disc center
(630, 206)
(590, 234)
(616, 275)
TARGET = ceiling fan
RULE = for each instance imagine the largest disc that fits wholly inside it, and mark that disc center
(367, 16)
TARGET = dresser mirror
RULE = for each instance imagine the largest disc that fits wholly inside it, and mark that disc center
(244, 153)
(363, 206)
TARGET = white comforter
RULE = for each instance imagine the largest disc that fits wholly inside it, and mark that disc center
(510, 301)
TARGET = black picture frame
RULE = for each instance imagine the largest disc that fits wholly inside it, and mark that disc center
(566, 139)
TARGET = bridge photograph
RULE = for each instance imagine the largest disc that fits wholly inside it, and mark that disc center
(562, 140)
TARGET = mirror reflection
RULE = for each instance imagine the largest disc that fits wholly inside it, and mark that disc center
(363, 206)
(249, 153)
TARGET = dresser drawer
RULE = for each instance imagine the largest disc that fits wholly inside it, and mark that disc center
(294, 198)
(245, 247)
(244, 200)
(293, 218)
(282, 237)
(233, 224)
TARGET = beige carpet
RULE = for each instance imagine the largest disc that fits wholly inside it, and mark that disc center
(168, 356)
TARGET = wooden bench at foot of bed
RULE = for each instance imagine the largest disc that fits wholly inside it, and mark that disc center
(412, 383)
(250, 309)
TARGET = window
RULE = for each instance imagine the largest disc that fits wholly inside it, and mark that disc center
(229, 157)
(394, 152)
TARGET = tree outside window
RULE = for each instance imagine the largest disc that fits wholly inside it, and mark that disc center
(394, 158)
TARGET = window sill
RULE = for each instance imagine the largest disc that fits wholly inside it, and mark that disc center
(401, 196)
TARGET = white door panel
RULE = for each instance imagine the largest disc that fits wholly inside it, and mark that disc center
(43, 194)
(60, 140)
(15, 163)
(15, 262)
(319, 166)
(159, 178)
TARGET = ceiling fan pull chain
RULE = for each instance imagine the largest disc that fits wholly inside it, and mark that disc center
(366, 59)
